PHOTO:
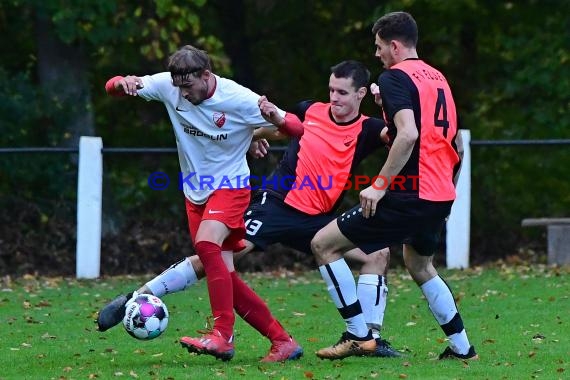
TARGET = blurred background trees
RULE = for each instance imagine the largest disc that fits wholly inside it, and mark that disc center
(507, 61)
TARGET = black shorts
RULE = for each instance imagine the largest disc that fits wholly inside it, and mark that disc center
(399, 219)
(269, 220)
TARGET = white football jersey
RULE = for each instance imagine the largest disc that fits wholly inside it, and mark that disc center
(213, 137)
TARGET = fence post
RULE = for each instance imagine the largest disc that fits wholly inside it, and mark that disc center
(458, 224)
(89, 199)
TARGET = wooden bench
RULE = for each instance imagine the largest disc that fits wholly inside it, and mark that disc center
(558, 236)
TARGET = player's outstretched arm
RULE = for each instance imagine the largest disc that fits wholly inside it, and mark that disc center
(290, 125)
(258, 148)
(120, 86)
(398, 155)
(268, 134)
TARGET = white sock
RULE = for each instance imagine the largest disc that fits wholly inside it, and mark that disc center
(176, 278)
(442, 305)
(372, 293)
(342, 289)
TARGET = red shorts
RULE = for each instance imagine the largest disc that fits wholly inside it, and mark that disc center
(227, 206)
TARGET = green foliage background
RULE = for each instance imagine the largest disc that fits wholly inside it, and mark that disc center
(508, 62)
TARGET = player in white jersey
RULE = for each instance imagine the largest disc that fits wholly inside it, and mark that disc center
(213, 119)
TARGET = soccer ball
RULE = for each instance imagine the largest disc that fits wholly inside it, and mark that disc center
(146, 317)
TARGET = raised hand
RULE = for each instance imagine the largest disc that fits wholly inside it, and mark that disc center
(129, 84)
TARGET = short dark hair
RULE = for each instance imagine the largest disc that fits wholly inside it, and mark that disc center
(187, 61)
(399, 26)
(352, 69)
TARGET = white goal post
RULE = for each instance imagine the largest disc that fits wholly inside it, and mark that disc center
(89, 207)
(458, 228)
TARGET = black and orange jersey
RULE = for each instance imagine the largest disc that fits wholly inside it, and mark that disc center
(413, 84)
(312, 174)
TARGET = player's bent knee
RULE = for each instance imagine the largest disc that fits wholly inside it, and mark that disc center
(316, 246)
(379, 259)
(374, 263)
(323, 250)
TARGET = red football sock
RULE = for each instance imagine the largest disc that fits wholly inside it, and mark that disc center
(219, 287)
(254, 311)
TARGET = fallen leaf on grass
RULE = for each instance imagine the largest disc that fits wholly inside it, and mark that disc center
(43, 303)
(32, 320)
(309, 375)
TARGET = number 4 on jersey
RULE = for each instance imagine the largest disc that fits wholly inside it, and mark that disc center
(441, 107)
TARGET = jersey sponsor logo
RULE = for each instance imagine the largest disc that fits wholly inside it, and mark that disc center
(219, 119)
(193, 131)
(348, 140)
(211, 212)
(312, 123)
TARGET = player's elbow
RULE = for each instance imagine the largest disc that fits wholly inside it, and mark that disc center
(408, 136)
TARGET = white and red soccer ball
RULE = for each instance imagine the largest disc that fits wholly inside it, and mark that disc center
(146, 317)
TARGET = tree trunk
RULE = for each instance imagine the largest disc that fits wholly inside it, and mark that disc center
(62, 72)
(232, 14)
